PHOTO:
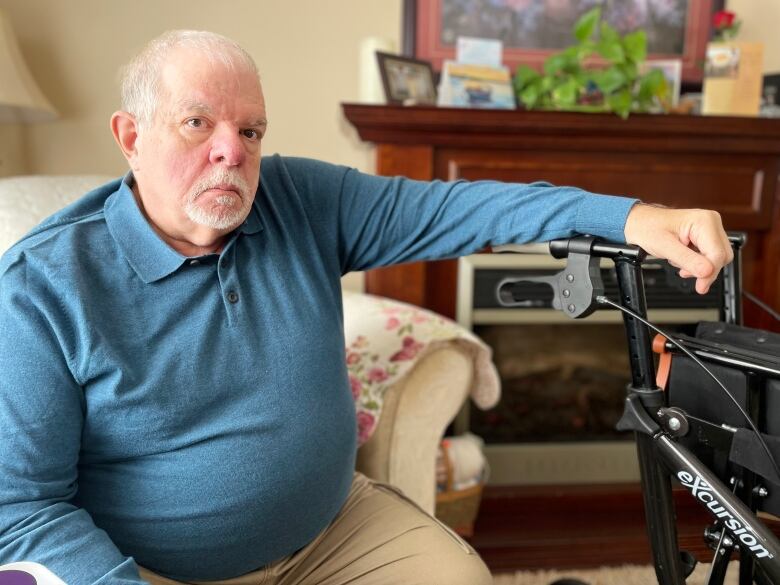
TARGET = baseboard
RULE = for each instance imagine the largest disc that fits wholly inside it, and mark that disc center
(604, 462)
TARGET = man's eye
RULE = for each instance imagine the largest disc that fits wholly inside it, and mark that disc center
(195, 123)
(251, 134)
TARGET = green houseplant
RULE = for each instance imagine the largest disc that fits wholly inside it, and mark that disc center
(569, 83)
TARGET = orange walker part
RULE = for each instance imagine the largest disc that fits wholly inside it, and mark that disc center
(665, 363)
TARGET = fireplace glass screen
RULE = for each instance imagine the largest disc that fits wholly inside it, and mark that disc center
(561, 382)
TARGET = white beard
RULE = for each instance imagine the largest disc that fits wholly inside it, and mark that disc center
(229, 210)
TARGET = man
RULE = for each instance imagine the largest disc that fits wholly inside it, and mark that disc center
(174, 404)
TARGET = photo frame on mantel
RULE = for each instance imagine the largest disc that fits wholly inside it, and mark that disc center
(677, 29)
(406, 81)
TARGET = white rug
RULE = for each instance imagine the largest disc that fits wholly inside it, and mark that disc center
(625, 575)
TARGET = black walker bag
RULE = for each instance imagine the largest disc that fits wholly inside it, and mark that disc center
(747, 362)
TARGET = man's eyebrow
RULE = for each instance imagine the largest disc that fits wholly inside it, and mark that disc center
(190, 104)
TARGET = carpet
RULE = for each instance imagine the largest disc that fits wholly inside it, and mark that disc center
(625, 575)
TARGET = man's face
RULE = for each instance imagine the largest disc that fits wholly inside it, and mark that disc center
(198, 161)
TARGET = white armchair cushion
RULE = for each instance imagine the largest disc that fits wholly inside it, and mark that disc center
(386, 339)
(26, 200)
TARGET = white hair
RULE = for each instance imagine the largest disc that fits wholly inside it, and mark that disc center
(140, 78)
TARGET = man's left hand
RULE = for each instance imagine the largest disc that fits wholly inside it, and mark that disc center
(692, 240)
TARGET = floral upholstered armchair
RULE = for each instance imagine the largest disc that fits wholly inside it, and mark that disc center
(409, 369)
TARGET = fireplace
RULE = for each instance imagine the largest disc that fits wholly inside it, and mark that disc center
(561, 383)
(563, 380)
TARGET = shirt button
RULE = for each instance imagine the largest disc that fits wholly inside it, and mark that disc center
(194, 262)
(232, 296)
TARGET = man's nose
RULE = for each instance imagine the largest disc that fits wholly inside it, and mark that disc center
(227, 147)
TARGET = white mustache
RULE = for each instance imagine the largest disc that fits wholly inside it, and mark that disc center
(217, 178)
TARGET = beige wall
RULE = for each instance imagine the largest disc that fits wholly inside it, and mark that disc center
(760, 20)
(307, 51)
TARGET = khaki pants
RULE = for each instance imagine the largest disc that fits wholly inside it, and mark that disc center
(379, 537)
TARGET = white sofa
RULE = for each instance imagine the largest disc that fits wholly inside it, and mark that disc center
(415, 404)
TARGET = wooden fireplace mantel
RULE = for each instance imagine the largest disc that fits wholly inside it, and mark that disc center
(724, 163)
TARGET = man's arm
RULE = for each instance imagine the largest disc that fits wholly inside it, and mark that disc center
(494, 213)
(392, 220)
(383, 221)
(41, 417)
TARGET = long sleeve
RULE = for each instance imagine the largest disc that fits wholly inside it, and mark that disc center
(384, 221)
(41, 418)
(390, 221)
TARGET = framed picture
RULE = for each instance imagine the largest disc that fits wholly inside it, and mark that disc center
(474, 86)
(672, 70)
(406, 81)
(531, 30)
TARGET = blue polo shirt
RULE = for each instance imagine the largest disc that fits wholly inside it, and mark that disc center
(193, 414)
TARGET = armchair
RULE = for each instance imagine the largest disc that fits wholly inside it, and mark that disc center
(410, 369)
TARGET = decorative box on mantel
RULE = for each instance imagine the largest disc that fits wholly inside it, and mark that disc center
(724, 163)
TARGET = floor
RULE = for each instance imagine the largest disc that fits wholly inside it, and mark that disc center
(625, 575)
(532, 528)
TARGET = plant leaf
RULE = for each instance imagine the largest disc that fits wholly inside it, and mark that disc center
(586, 24)
(530, 96)
(630, 70)
(556, 63)
(546, 84)
(525, 75)
(653, 84)
(610, 79)
(565, 95)
(583, 78)
(635, 45)
(608, 33)
(611, 50)
(573, 60)
(584, 50)
(620, 103)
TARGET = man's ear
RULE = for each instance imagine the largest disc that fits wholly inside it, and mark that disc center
(124, 127)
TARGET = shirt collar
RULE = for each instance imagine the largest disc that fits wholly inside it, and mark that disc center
(151, 258)
(252, 223)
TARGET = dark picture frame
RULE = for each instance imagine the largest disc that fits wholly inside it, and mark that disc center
(423, 22)
(406, 80)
